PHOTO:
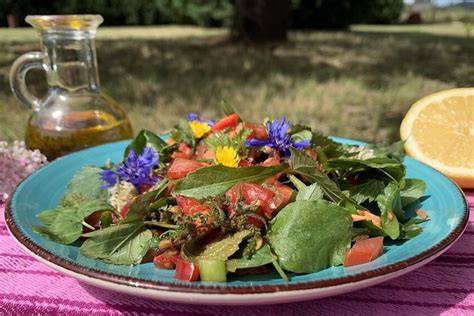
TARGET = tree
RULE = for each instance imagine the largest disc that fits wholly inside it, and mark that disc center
(261, 20)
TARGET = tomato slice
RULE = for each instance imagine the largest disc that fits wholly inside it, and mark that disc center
(181, 167)
(228, 121)
(363, 251)
(186, 271)
(184, 151)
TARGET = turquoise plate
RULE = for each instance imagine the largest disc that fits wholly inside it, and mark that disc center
(444, 202)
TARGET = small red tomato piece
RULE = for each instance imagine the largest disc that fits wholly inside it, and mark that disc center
(181, 167)
(166, 260)
(252, 192)
(186, 271)
(184, 151)
(191, 206)
(204, 153)
(363, 251)
(228, 121)
(259, 131)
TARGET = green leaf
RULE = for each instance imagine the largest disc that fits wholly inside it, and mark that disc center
(390, 208)
(216, 180)
(145, 139)
(309, 236)
(392, 168)
(394, 150)
(106, 220)
(411, 228)
(84, 186)
(302, 135)
(224, 248)
(412, 191)
(312, 192)
(182, 133)
(322, 140)
(64, 224)
(260, 258)
(219, 250)
(367, 191)
(140, 207)
(124, 244)
(222, 139)
(303, 165)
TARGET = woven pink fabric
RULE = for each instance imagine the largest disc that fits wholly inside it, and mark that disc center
(445, 286)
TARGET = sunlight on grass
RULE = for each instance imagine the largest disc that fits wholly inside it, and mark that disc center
(352, 84)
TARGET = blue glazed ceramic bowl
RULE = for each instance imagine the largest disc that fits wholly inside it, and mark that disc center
(444, 203)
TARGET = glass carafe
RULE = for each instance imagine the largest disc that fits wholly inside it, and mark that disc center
(74, 114)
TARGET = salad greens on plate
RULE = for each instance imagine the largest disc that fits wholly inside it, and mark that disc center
(217, 197)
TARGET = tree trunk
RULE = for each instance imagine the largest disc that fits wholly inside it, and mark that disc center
(261, 21)
(12, 20)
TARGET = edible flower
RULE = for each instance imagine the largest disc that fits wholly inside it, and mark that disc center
(135, 170)
(199, 129)
(195, 117)
(227, 156)
(278, 138)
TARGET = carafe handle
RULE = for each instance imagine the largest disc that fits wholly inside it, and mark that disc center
(21, 66)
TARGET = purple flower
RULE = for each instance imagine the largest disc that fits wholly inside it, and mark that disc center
(135, 170)
(279, 138)
(195, 117)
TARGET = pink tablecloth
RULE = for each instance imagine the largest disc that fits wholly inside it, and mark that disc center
(445, 286)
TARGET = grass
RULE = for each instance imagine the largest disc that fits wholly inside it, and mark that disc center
(356, 84)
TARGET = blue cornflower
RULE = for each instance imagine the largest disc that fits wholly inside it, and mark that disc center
(278, 138)
(195, 117)
(135, 170)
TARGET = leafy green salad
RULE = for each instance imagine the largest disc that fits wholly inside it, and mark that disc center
(213, 198)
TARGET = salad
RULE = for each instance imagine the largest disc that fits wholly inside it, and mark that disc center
(213, 198)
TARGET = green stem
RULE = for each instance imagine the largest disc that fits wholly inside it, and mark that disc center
(88, 225)
(280, 270)
(161, 224)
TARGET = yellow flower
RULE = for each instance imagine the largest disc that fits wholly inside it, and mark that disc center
(199, 129)
(227, 156)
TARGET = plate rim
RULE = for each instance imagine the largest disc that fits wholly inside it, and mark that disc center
(192, 288)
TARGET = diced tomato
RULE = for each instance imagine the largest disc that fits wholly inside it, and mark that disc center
(283, 195)
(271, 161)
(166, 260)
(186, 271)
(184, 151)
(125, 209)
(191, 206)
(259, 131)
(204, 153)
(254, 192)
(363, 251)
(421, 213)
(181, 167)
(228, 121)
(245, 163)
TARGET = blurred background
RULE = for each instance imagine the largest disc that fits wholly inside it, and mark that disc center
(349, 68)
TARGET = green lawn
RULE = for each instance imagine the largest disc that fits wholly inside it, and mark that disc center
(356, 84)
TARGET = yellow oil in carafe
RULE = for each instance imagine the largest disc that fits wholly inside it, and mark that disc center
(77, 130)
